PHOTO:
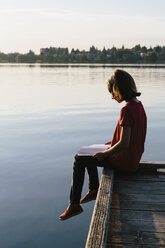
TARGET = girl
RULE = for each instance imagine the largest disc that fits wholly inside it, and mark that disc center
(126, 148)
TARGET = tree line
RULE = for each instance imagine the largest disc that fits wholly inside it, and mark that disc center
(137, 54)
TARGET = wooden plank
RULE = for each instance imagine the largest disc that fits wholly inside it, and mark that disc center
(140, 220)
(137, 237)
(140, 206)
(141, 197)
(98, 230)
(133, 220)
(133, 215)
(140, 177)
(139, 187)
(132, 245)
(126, 245)
(130, 226)
(152, 164)
(138, 201)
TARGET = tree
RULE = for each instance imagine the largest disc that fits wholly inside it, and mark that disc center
(31, 57)
(144, 49)
(157, 49)
(136, 49)
(150, 57)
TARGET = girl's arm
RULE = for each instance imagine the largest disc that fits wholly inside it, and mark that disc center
(121, 145)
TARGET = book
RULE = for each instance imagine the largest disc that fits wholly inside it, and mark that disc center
(92, 149)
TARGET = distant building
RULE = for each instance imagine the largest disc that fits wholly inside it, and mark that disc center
(108, 55)
(142, 54)
(42, 50)
(54, 50)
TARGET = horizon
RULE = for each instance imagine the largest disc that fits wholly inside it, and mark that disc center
(77, 24)
(125, 47)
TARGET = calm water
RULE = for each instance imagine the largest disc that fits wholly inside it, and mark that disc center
(46, 114)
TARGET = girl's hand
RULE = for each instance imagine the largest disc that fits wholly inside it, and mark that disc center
(100, 156)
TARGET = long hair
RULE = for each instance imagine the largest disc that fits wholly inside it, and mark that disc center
(122, 85)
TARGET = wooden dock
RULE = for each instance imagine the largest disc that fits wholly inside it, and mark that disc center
(130, 209)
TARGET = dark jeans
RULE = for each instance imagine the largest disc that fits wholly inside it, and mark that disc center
(80, 163)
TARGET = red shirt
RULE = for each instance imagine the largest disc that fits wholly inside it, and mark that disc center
(134, 116)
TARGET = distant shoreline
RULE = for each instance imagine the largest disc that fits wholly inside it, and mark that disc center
(58, 55)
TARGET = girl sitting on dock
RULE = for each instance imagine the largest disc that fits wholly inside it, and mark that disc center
(126, 148)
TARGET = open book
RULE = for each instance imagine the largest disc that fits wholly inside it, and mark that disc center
(92, 149)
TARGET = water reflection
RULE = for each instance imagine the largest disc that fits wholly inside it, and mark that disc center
(47, 112)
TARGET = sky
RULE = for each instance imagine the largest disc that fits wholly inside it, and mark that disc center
(36, 24)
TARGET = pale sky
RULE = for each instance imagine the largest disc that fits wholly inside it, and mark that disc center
(36, 24)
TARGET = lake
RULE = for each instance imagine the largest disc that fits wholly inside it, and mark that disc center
(47, 112)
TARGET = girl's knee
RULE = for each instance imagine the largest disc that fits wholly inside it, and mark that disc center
(78, 161)
(76, 157)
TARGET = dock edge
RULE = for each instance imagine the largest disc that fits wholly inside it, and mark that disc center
(98, 229)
